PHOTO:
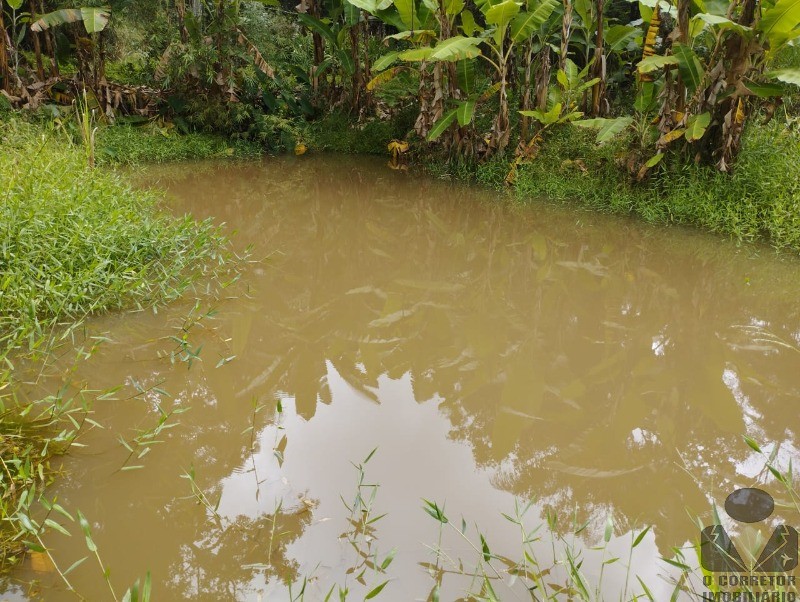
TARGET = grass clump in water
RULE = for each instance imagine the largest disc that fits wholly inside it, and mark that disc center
(74, 241)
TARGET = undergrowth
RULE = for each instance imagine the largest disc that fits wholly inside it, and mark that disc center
(133, 145)
(74, 242)
(760, 200)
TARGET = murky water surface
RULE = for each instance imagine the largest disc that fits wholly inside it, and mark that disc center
(595, 366)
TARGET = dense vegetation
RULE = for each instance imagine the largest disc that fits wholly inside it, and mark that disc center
(679, 112)
(669, 93)
(75, 241)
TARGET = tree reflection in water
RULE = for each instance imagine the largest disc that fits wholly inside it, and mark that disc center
(586, 362)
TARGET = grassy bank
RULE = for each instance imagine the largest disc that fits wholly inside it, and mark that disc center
(133, 145)
(74, 242)
(759, 201)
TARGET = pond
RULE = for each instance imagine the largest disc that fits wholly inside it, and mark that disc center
(430, 341)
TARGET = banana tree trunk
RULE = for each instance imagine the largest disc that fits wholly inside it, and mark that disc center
(367, 75)
(4, 76)
(431, 98)
(682, 37)
(220, 19)
(180, 8)
(526, 90)
(319, 48)
(445, 32)
(566, 25)
(424, 122)
(100, 74)
(599, 66)
(730, 114)
(50, 45)
(355, 102)
(501, 130)
(543, 78)
(37, 44)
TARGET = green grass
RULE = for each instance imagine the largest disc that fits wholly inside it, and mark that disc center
(77, 241)
(74, 241)
(131, 145)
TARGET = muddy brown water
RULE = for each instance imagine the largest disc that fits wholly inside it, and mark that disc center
(595, 366)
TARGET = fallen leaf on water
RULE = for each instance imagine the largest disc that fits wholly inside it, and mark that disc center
(40, 563)
(594, 473)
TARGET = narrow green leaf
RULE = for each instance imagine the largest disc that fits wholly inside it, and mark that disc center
(753, 445)
(376, 591)
(641, 535)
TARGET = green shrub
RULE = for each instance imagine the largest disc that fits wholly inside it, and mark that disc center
(337, 132)
(75, 241)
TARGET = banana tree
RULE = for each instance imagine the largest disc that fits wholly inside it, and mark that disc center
(95, 20)
(537, 23)
(507, 26)
(459, 51)
(441, 59)
(343, 31)
(3, 53)
(496, 37)
(599, 40)
(708, 102)
(562, 104)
